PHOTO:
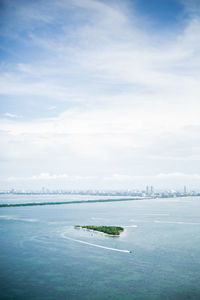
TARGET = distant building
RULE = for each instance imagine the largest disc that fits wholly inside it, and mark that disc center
(185, 190)
(147, 190)
(152, 190)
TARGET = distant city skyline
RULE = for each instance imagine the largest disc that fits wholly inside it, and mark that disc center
(99, 94)
(147, 190)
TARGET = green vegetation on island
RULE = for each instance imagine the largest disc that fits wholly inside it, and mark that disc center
(111, 230)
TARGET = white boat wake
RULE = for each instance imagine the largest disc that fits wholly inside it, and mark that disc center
(94, 245)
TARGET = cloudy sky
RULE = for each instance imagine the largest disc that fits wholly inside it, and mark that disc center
(99, 94)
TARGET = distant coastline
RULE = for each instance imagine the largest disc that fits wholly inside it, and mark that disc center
(70, 202)
(87, 201)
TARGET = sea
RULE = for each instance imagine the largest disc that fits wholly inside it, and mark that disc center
(43, 256)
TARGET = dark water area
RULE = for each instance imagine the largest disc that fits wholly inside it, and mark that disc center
(42, 256)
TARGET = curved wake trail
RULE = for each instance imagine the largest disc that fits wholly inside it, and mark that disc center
(95, 245)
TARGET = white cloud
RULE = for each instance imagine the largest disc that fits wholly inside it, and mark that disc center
(52, 107)
(47, 177)
(132, 94)
(10, 115)
(114, 181)
(165, 176)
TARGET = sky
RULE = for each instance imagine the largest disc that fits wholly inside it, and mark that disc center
(98, 94)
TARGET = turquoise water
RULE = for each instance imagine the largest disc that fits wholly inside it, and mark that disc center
(42, 256)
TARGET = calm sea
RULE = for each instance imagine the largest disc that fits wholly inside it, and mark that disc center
(42, 256)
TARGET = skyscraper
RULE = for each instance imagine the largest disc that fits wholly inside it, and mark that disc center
(185, 190)
(152, 190)
(147, 190)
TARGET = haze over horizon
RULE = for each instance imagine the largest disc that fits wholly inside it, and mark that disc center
(99, 94)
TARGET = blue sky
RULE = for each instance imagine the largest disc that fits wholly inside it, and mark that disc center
(163, 13)
(99, 94)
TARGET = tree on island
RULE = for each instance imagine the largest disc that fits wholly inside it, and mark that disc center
(111, 230)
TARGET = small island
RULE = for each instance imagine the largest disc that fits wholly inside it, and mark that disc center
(110, 230)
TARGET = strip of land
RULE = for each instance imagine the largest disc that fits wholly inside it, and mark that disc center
(68, 202)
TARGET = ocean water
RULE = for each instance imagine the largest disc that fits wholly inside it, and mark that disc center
(42, 255)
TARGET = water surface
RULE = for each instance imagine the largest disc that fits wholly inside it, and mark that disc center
(38, 262)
